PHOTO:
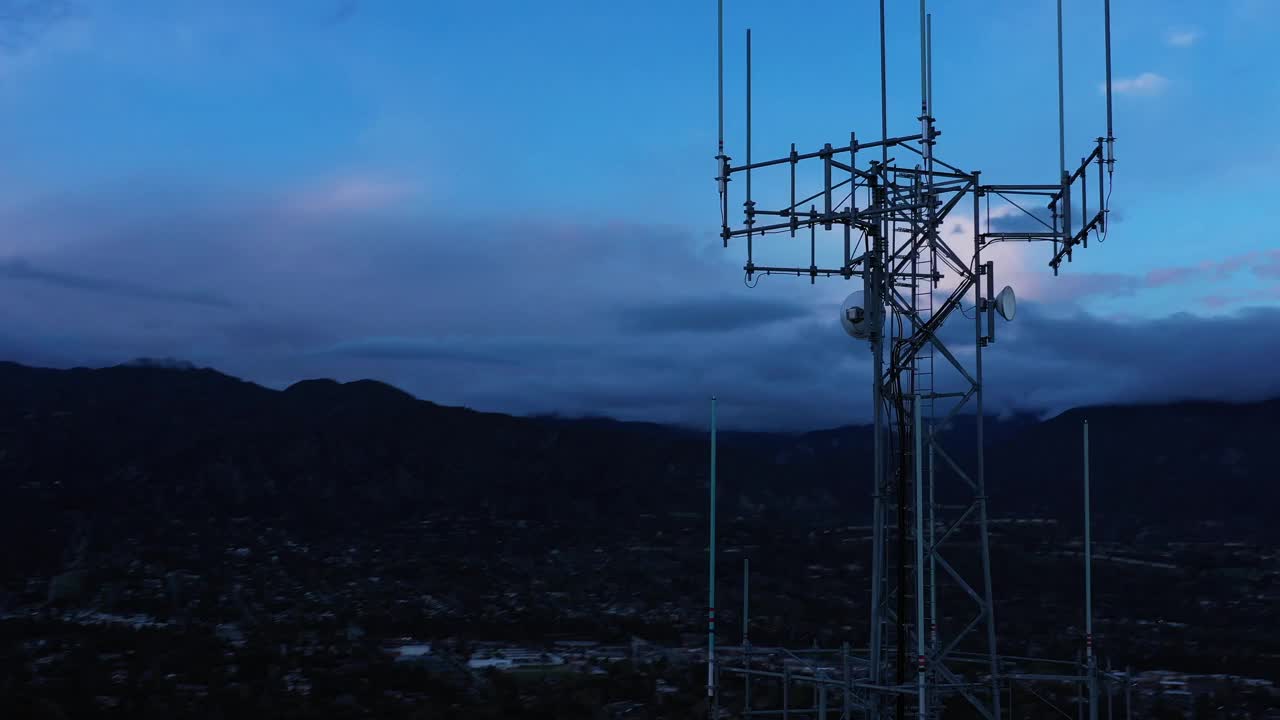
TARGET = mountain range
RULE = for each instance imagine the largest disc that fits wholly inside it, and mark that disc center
(131, 445)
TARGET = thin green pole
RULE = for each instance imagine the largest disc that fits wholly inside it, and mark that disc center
(711, 590)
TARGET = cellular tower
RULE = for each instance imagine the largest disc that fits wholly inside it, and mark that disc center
(872, 208)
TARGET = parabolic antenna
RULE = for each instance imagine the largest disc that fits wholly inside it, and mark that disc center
(1006, 303)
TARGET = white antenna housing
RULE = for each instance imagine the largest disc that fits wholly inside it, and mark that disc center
(855, 317)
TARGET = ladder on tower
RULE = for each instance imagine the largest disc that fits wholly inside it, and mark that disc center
(924, 265)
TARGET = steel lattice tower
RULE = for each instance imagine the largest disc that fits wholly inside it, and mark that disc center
(886, 216)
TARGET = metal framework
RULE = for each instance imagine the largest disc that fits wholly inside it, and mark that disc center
(886, 199)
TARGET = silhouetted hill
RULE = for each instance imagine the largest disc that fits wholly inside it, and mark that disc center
(1171, 465)
(136, 445)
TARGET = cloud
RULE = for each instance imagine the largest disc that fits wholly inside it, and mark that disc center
(1254, 296)
(707, 314)
(1182, 38)
(461, 349)
(355, 194)
(539, 315)
(21, 269)
(1055, 363)
(1026, 269)
(1148, 84)
(1263, 264)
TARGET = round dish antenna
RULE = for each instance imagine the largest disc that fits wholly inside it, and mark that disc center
(1006, 303)
(855, 318)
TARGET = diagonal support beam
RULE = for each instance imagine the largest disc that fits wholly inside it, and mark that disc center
(955, 467)
(961, 582)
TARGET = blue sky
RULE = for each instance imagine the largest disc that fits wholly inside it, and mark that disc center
(509, 205)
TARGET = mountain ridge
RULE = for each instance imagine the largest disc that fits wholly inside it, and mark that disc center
(130, 444)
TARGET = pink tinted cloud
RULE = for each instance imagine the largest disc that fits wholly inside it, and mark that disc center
(1161, 277)
(353, 194)
(1269, 266)
(1261, 263)
(1268, 294)
(1024, 267)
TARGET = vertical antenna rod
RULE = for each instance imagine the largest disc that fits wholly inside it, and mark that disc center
(1111, 139)
(933, 565)
(983, 528)
(711, 588)
(722, 163)
(884, 94)
(871, 278)
(1062, 121)
(720, 75)
(924, 61)
(928, 64)
(749, 205)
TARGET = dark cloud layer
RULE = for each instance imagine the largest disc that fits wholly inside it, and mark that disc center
(708, 315)
(624, 319)
(20, 269)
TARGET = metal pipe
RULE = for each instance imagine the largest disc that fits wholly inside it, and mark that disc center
(848, 698)
(1110, 693)
(1102, 198)
(924, 63)
(746, 633)
(884, 91)
(793, 189)
(848, 250)
(720, 75)
(1014, 189)
(873, 279)
(927, 199)
(1084, 199)
(936, 173)
(1088, 585)
(750, 206)
(711, 589)
(813, 246)
(933, 560)
(876, 304)
(988, 595)
(916, 456)
(1062, 122)
(1111, 139)
(826, 184)
(853, 172)
(1079, 691)
(786, 692)
(1128, 693)
(887, 142)
(1088, 552)
(797, 271)
(722, 162)
(929, 61)
(991, 301)
(1021, 235)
